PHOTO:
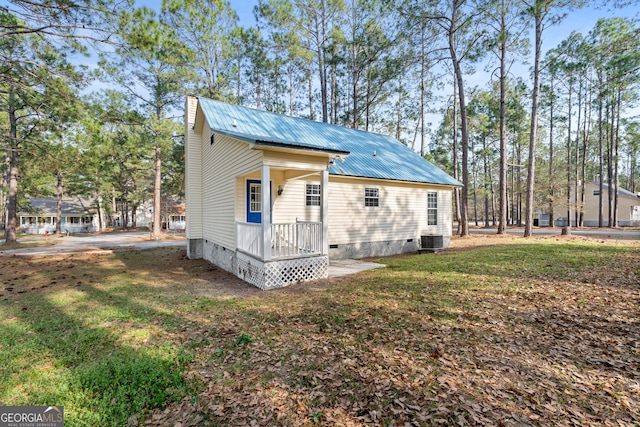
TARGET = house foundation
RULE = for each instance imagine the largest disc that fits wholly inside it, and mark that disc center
(194, 248)
(261, 274)
(281, 273)
(378, 249)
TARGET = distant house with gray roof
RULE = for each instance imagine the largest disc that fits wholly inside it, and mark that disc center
(628, 207)
(78, 216)
(333, 192)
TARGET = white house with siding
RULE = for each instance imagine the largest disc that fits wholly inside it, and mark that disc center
(628, 207)
(333, 192)
(77, 216)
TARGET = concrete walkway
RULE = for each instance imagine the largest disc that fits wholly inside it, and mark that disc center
(110, 242)
(344, 267)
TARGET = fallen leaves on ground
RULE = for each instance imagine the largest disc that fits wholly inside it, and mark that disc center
(458, 340)
(533, 349)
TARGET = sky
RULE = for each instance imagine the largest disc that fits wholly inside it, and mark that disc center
(582, 20)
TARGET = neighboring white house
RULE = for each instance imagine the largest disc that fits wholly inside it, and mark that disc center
(78, 216)
(144, 216)
(333, 192)
(628, 207)
(173, 214)
(177, 222)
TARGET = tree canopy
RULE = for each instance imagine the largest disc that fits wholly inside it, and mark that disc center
(91, 94)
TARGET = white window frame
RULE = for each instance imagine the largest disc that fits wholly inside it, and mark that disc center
(371, 197)
(432, 208)
(255, 204)
(313, 195)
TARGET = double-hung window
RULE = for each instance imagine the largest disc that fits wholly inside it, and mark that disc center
(312, 195)
(432, 208)
(371, 197)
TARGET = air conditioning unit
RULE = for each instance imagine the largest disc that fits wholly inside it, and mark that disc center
(431, 243)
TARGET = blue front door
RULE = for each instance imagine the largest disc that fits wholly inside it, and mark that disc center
(254, 201)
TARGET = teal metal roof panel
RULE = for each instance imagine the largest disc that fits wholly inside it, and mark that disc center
(371, 155)
(263, 140)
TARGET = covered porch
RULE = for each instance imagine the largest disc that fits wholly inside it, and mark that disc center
(277, 249)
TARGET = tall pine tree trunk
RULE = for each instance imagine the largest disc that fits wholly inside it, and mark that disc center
(334, 89)
(487, 178)
(100, 213)
(533, 135)
(611, 113)
(568, 225)
(616, 159)
(502, 221)
(464, 231)
(310, 71)
(456, 174)
(422, 93)
(583, 159)
(14, 158)
(576, 180)
(4, 182)
(291, 92)
(239, 84)
(399, 109)
(59, 193)
(157, 185)
(600, 156)
(320, 31)
(475, 192)
(551, 174)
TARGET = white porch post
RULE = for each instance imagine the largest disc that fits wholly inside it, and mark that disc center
(324, 214)
(265, 180)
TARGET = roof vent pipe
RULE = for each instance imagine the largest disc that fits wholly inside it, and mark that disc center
(374, 153)
(235, 124)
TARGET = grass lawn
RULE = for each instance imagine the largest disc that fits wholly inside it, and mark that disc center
(495, 331)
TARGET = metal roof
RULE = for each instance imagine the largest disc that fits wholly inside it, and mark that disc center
(370, 155)
(621, 191)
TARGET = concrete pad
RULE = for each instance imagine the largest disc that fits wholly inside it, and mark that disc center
(344, 267)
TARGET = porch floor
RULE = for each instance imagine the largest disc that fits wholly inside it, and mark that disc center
(345, 267)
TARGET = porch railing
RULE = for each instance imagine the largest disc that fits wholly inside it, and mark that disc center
(288, 240)
(249, 238)
(296, 239)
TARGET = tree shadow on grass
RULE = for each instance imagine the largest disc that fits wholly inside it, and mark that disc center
(367, 350)
(97, 351)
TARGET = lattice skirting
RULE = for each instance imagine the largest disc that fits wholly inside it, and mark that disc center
(277, 274)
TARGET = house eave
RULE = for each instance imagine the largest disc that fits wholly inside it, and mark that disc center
(265, 142)
(278, 146)
(369, 178)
